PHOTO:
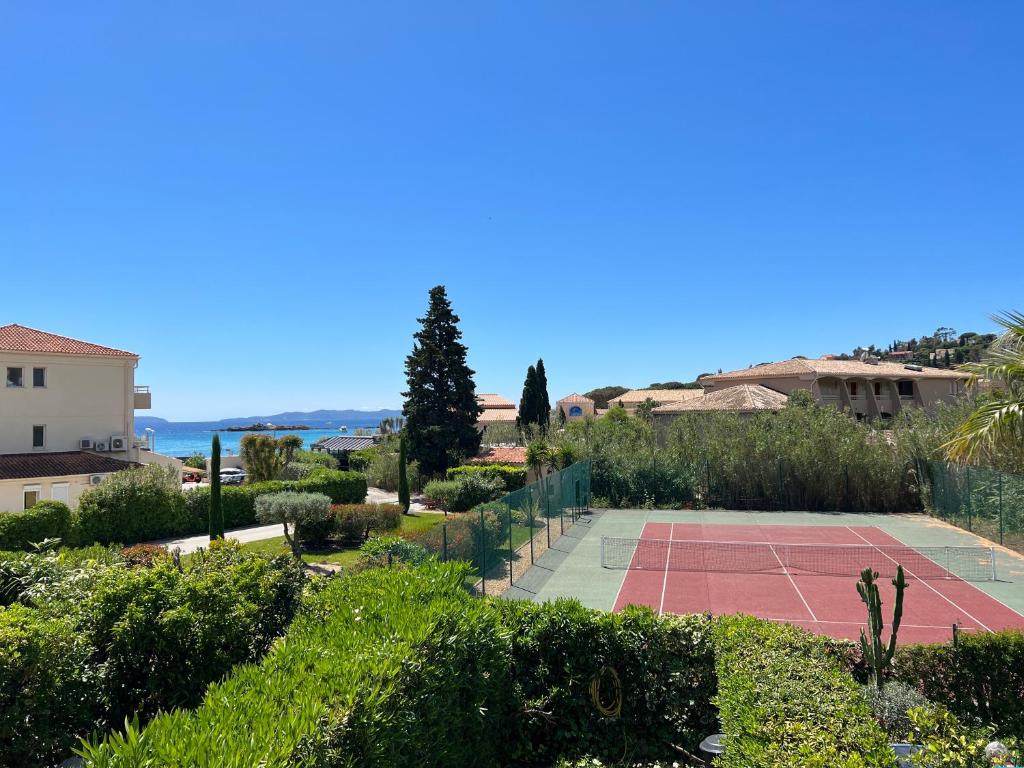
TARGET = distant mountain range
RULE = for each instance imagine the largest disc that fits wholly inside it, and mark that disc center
(322, 418)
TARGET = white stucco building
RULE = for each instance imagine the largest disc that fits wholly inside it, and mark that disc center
(67, 416)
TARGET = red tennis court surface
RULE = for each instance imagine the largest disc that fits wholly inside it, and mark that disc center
(825, 604)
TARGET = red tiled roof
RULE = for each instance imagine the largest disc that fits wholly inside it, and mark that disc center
(575, 398)
(15, 466)
(495, 415)
(806, 367)
(488, 401)
(18, 338)
(497, 455)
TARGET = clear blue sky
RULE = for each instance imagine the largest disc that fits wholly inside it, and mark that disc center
(256, 197)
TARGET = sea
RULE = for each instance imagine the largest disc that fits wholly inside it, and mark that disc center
(185, 438)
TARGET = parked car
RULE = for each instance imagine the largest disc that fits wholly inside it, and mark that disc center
(232, 476)
(190, 477)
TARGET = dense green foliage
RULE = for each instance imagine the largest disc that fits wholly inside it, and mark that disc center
(440, 402)
(293, 511)
(354, 523)
(535, 404)
(45, 520)
(195, 461)
(471, 537)
(388, 550)
(512, 477)
(980, 679)
(603, 395)
(134, 505)
(786, 701)
(465, 492)
(94, 641)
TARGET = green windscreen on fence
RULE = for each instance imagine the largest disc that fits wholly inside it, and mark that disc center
(985, 501)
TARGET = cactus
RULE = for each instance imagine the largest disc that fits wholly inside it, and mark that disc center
(216, 512)
(876, 655)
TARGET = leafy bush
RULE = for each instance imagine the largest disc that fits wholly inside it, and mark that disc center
(890, 706)
(132, 505)
(459, 538)
(465, 493)
(355, 522)
(785, 700)
(359, 461)
(512, 477)
(134, 640)
(196, 461)
(44, 520)
(320, 458)
(376, 552)
(145, 555)
(980, 679)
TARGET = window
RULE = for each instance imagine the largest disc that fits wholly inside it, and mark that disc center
(853, 389)
(32, 495)
(906, 388)
(38, 377)
(878, 389)
(15, 377)
(39, 436)
(61, 492)
(954, 387)
(575, 410)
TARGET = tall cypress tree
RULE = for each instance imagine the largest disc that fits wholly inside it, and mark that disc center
(440, 404)
(528, 401)
(543, 401)
(403, 475)
(216, 510)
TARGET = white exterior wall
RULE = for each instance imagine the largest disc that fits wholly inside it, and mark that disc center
(12, 492)
(84, 396)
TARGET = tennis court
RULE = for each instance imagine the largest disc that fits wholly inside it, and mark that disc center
(805, 575)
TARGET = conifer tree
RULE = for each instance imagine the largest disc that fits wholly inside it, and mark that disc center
(440, 403)
(543, 401)
(216, 510)
(403, 475)
(528, 401)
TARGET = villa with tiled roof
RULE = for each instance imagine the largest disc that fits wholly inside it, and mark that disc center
(741, 398)
(630, 400)
(67, 416)
(497, 410)
(575, 407)
(866, 388)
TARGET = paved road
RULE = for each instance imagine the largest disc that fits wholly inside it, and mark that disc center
(189, 544)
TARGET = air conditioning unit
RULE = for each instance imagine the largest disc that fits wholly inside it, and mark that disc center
(100, 447)
(85, 444)
(118, 443)
(95, 479)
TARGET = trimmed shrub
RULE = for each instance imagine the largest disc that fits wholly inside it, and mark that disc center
(465, 493)
(890, 706)
(293, 510)
(980, 679)
(132, 505)
(511, 476)
(376, 552)
(44, 520)
(355, 522)
(340, 487)
(785, 700)
(359, 461)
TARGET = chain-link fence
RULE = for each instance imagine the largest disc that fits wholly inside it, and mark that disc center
(503, 538)
(985, 501)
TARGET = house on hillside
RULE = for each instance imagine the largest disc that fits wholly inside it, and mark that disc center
(575, 407)
(742, 398)
(868, 389)
(67, 416)
(497, 410)
(342, 446)
(630, 400)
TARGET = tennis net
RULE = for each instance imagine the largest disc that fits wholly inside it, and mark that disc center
(968, 563)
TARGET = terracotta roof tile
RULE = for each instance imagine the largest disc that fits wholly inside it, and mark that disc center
(663, 396)
(494, 401)
(498, 414)
(742, 398)
(15, 466)
(575, 398)
(498, 455)
(18, 338)
(799, 366)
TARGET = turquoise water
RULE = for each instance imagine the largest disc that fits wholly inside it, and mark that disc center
(172, 440)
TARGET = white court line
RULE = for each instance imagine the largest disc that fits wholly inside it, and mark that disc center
(789, 576)
(966, 613)
(668, 559)
(618, 592)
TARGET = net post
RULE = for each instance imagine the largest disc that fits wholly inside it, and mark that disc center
(603, 560)
(529, 512)
(949, 573)
(992, 555)
(1000, 507)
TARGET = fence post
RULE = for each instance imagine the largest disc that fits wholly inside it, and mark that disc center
(444, 542)
(483, 557)
(529, 511)
(547, 513)
(511, 552)
(782, 504)
(1000, 475)
(970, 516)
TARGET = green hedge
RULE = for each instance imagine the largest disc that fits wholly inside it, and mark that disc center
(981, 679)
(785, 699)
(466, 492)
(102, 642)
(513, 477)
(45, 520)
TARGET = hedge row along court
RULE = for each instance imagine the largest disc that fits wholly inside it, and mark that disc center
(401, 667)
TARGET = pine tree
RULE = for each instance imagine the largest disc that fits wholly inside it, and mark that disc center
(528, 401)
(543, 401)
(440, 404)
(216, 511)
(403, 475)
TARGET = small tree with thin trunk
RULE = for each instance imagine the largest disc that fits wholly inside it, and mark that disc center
(291, 510)
(216, 510)
(403, 475)
(262, 457)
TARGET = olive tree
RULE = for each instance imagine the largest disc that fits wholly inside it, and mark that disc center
(293, 509)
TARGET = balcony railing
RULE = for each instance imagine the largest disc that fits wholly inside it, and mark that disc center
(143, 398)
